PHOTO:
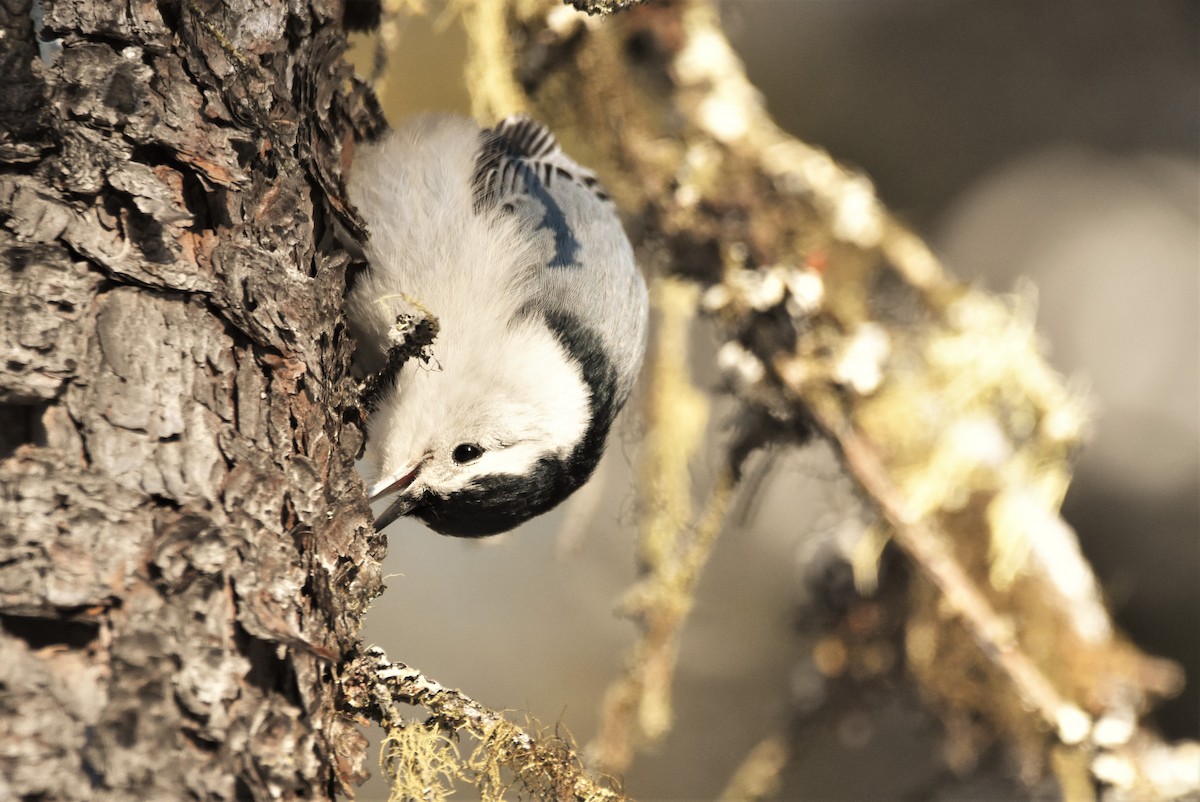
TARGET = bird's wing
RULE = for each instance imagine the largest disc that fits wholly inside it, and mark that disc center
(589, 288)
(522, 170)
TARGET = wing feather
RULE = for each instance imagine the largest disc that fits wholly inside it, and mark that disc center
(589, 279)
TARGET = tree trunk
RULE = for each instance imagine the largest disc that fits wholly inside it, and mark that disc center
(185, 550)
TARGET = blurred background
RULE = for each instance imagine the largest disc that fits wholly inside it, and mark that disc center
(1058, 142)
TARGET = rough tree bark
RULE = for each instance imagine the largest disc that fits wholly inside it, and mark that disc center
(185, 553)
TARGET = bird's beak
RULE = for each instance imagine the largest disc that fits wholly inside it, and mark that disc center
(396, 482)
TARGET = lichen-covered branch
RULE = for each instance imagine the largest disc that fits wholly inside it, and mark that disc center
(546, 767)
(604, 6)
(936, 395)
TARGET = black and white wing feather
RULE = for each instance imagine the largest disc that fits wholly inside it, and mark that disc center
(520, 149)
(587, 284)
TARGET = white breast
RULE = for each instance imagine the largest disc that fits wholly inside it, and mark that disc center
(474, 274)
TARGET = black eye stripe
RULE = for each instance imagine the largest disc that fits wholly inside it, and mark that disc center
(466, 452)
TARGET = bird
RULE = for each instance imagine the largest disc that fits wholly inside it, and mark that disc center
(514, 254)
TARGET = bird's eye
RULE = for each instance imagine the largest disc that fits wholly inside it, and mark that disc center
(466, 452)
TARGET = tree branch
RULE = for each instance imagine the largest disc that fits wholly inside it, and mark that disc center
(548, 768)
(673, 548)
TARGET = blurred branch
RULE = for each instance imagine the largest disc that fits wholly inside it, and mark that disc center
(927, 547)
(936, 396)
(672, 550)
(758, 775)
(547, 768)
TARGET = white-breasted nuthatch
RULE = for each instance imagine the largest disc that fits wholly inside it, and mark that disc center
(519, 255)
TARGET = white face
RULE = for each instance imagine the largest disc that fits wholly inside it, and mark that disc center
(496, 409)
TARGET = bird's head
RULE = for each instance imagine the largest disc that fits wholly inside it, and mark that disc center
(486, 437)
